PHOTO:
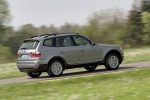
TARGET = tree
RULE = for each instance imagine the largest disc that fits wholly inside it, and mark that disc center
(145, 15)
(4, 17)
(145, 5)
(43, 30)
(52, 29)
(106, 26)
(67, 27)
(136, 26)
(15, 41)
(9, 31)
(146, 29)
(4, 12)
(146, 21)
(28, 29)
(6, 55)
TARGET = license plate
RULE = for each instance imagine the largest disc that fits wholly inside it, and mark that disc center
(25, 56)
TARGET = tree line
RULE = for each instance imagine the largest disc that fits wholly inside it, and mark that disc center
(112, 26)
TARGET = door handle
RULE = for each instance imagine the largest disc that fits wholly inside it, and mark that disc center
(82, 50)
(61, 52)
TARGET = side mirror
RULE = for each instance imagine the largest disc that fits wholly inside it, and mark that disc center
(92, 43)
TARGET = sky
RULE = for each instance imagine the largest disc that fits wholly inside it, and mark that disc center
(58, 12)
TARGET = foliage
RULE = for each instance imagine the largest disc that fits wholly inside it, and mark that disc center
(136, 33)
(134, 22)
(4, 12)
(146, 29)
(4, 17)
(106, 26)
(15, 41)
(145, 5)
(146, 21)
(6, 55)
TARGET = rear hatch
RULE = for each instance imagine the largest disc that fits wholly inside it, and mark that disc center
(28, 51)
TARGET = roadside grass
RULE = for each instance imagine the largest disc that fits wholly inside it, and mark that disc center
(9, 71)
(129, 85)
(136, 55)
(131, 56)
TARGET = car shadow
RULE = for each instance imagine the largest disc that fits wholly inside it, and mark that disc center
(96, 71)
(82, 72)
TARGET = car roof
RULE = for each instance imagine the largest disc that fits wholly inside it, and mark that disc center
(40, 37)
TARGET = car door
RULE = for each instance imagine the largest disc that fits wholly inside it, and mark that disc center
(67, 50)
(88, 53)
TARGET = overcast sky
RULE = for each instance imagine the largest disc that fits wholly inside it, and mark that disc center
(57, 12)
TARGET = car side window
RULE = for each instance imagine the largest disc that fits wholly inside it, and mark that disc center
(64, 41)
(58, 44)
(48, 42)
(81, 40)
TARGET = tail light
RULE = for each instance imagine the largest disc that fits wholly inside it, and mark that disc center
(36, 55)
(18, 55)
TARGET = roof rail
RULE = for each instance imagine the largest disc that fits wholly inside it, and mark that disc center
(52, 34)
(42, 35)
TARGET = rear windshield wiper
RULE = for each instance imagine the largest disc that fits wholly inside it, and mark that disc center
(23, 48)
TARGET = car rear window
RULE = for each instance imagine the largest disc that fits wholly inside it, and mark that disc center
(29, 44)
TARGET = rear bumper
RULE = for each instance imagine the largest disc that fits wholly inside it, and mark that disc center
(27, 70)
(32, 66)
(27, 64)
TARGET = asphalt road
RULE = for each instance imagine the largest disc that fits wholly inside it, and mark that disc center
(77, 73)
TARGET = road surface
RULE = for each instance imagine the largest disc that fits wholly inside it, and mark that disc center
(77, 73)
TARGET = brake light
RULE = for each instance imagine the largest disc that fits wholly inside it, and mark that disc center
(18, 55)
(36, 55)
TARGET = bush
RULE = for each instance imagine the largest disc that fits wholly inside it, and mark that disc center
(6, 55)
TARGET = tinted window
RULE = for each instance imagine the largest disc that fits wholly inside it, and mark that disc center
(63, 42)
(48, 42)
(58, 44)
(29, 44)
(81, 40)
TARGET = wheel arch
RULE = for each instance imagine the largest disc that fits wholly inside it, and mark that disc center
(60, 59)
(114, 52)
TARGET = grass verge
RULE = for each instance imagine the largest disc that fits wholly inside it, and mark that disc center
(130, 85)
(136, 55)
(131, 56)
(9, 71)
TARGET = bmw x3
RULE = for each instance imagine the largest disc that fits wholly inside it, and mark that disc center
(53, 53)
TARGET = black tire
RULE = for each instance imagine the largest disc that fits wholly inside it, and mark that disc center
(90, 68)
(114, 64)
(52, 71)
(34, 74)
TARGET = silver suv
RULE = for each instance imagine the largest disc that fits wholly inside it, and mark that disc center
(53, 53)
